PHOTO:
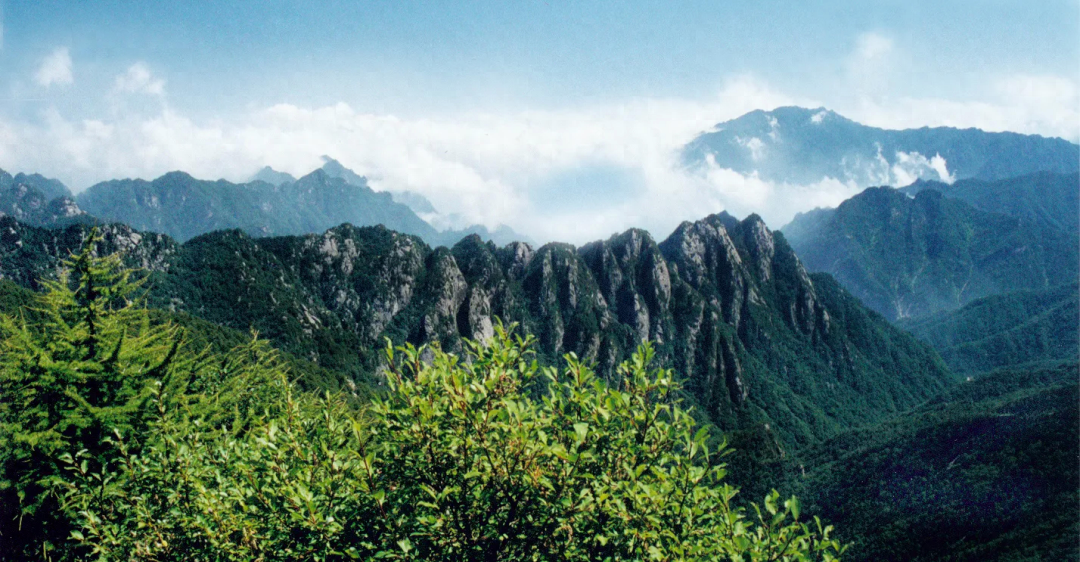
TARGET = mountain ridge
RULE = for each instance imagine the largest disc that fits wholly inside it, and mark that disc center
(1048, 198)
(803, 146)
(911, 256)
(767, 349)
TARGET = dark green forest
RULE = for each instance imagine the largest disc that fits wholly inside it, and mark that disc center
(986, 471)
(1025, 327)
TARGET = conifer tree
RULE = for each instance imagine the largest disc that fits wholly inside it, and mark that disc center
(87, 369)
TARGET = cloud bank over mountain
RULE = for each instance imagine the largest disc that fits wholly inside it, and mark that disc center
(618, 162)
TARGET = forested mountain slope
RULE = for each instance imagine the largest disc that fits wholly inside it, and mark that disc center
(197, 335)
(1003, 330)
(985, 472)
(909, 257)
(1046, 198)
(765, 348)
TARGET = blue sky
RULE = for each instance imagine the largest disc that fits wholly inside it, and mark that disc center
(474, 104)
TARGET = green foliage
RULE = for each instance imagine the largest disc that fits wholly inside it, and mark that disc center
(14, 299)
(68, 380)
(487, 458)
(589, 471)
(83, 362)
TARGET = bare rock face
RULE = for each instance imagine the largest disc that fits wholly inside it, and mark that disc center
(760, 246)
(516, 258)
(474, 319)
(38, 201)
(633, 280)
(446, 290)
(707, 259)
(489, 295)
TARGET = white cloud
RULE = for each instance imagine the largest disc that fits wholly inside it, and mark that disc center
(776, 202)
(489, 167)
(911, 166)
(774, 129)
(938, 164)
(1044, 105)
(139, 80)
(486, 167)
(754, 145)
(55, 69)
(871, 46)
(1032, 104)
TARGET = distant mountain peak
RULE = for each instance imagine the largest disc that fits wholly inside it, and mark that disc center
(50, 188)
(336, 169)
(175, 175)
(803, 146)
(39, 201)
(317, 175)
(272, 176)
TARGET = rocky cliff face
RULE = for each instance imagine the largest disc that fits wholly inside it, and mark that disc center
(759, 342)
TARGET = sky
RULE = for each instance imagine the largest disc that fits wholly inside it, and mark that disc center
(560, 119)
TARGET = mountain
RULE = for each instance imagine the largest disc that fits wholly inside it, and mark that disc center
(272, 204)
(1049, 199)
(49, 188)
(184, 207)
(803, 146)
(1005, 330)
(38, 201)
(335, 169)
(912, 256)
(420, 205)
(272, 177)
(775, 356)
(984, 472)
(198, 334)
